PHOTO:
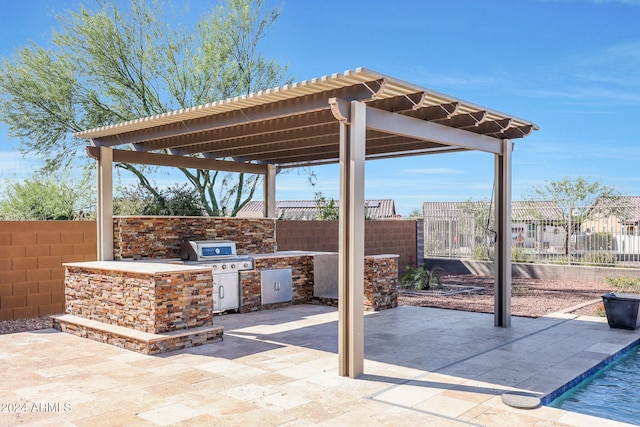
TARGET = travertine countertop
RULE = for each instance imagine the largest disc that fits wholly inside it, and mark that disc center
(144, 267)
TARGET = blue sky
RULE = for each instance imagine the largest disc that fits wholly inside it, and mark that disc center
(570, 66)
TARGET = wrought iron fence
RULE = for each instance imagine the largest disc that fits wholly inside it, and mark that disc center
(542, 232)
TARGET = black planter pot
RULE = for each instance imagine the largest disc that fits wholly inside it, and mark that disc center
(622, 310)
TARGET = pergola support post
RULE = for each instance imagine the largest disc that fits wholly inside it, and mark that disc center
(351, 244)
(269, 192)
(104, 215)
(502, 261)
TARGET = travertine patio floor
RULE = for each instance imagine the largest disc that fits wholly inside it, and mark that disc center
(423, 366)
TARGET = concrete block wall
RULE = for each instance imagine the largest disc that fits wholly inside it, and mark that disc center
(31, 258)
(381, 237)
(584, 273)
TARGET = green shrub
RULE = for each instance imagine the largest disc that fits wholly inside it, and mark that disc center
(625, 284)
(520, 255)
(420, 278)
(602, 258)
(481, 253)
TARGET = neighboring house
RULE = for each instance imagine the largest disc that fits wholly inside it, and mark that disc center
(624, 220)
(307, 209)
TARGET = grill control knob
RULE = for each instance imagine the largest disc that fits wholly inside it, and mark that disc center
(224, 266)
(214, 267)
(246, 265)
(233, 266)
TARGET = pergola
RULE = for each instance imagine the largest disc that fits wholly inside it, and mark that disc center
(344, 118)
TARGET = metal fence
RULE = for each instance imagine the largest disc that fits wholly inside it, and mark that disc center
(540, 232)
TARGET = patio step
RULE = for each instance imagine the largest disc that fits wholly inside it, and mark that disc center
(138, 341)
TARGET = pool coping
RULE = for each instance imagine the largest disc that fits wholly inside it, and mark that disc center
(546, 400)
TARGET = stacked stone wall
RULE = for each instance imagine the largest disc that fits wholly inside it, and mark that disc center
(152, 237)
(380, 282)
(153, 303)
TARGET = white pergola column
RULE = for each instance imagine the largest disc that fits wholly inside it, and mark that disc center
(502, 288)
(104, 214)
(351, 244)
(269, 192)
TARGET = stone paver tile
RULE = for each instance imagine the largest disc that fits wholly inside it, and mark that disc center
(26, 415)
(126, 356)
(219, 405)
(257, 416)
(50, 422)
(229, 368)
(443, 405)
(171, 369)
(219, 383)
(204, 420)
(321, 407)
(105, 402)
(272, 379)
(408, 394)
(170, 414)
(494, 416)
(54, 392)
(114, 418)
(192, 376)
(280, 401)
(249, 392)
(168, 389)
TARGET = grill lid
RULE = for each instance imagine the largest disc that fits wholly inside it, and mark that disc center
(206, 250)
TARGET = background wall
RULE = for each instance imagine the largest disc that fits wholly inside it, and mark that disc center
(32, 252)
(31, 257)
(381, 237)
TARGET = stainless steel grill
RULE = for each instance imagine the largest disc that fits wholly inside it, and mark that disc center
(225, 264)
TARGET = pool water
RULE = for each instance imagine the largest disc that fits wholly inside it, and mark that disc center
(612, 392)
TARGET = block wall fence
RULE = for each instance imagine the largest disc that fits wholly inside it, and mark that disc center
(381, 237)
(32, 254)
(31, 258)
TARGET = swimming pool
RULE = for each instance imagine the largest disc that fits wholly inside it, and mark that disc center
(611, 392)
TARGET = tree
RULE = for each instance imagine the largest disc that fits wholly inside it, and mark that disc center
(173, 201)
(578, 200)
(51, 197)
(111, 65)
(327, 209)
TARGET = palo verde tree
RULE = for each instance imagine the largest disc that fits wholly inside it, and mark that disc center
(578, 200)
(108, 65)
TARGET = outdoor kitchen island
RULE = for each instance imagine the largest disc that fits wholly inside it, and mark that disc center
(158, 305)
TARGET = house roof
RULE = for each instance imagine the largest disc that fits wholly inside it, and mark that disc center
(307, 209)
(627, 208)
(520, 210)
(298, 124)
